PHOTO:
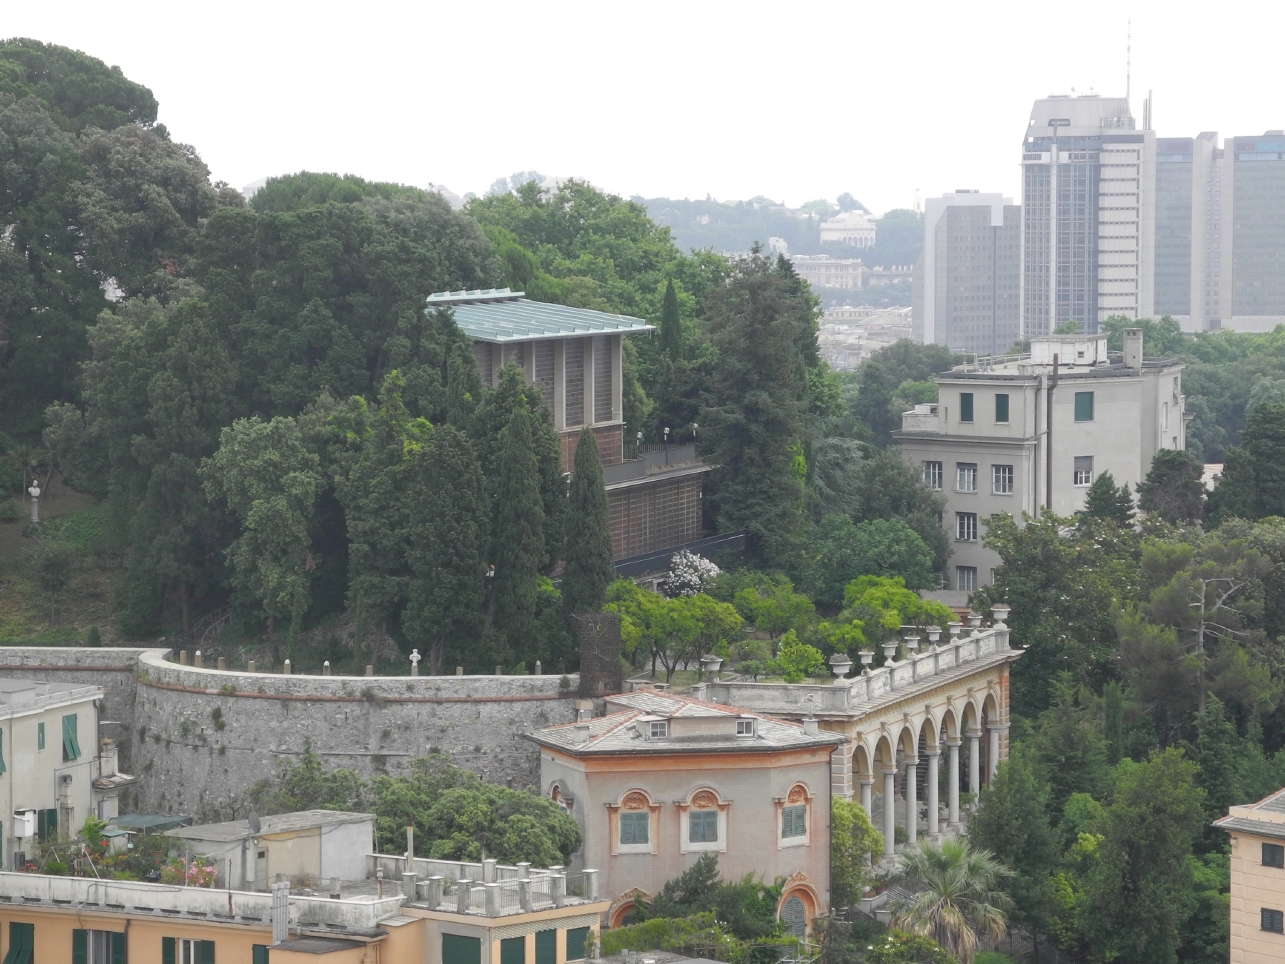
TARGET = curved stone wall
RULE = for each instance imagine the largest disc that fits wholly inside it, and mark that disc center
(205, 736)
(199, 738)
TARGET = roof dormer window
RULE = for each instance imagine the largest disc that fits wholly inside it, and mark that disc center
(744, 727)
(658, 730)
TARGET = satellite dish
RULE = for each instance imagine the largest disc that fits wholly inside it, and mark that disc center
(255, 825)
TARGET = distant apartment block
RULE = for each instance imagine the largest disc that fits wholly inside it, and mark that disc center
(1088, 218)
(1220, 230)
(967, 291)
(855, 228)
(823, 271)
(985, 444)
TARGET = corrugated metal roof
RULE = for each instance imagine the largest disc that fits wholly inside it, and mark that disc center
(500, 315)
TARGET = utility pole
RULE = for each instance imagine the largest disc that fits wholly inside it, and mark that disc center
(1048, 440)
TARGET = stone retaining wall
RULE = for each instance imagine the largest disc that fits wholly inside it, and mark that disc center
(199, 738)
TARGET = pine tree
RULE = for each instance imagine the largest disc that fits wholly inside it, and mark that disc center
(1173, 489)
(447, 536)
(1264, 439)
(519, 529)
(1216, 754)
(587, 559)
(1105, 501)
(1113, 721)
(1012, 823)
(671, 326)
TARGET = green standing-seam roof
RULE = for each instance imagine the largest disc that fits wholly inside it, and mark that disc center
(499, 315)
(149, 822)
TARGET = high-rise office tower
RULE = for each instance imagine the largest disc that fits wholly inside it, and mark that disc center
(1220, 231)
(1088, 214)
(970, 273)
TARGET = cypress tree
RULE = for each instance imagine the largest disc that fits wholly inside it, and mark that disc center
(1264, 439)
(671, 328)
(1173, 489)
(587, 569)
(446, 541)
(519, 528)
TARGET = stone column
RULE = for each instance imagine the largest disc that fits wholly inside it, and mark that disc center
(889, 811)
(912, 800)
(992, 756)
(952, 786)
(867, 804)
(934, 764)
(974, 761)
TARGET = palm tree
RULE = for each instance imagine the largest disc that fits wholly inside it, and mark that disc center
(955, 896)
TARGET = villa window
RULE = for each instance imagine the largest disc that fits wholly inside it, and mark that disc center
(1084, 406)
(635, 828)
(932, 474)
(180, 950)
(97, 947)
(1274, 856)
(658, 730)
(70, 744)
(702, 826)
(744, 727)
(1001, 409)
(965, 406)
(1272, 920)
(794, 821)
(1083, 471)
(966, 578)
(1002, 479)
(966, 476)
(966, 526)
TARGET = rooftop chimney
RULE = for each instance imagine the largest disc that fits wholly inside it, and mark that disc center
(810, 726)
(1133, 348)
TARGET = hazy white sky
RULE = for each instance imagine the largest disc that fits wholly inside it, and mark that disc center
(682, 99)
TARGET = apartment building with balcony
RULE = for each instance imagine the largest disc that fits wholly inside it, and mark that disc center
(989, 446)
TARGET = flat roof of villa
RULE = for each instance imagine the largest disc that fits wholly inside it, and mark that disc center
(501, 316)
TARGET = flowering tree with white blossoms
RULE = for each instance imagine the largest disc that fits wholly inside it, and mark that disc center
(689, 574)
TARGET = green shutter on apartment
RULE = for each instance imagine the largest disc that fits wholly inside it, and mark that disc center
(79, 947)
(546, 947)
(1084, 406)
(513, 950)
(965, 406)
(461, 950)
(259, 954)
(118, 947)
(21, 939)
(168, 955)
(577, 938)
(40, 736)
(205, 952)
(2, 766)
(70, 745)
(1001, 408)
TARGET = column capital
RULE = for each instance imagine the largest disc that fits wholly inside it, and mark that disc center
(955, 744)
(932, 749)
(866, 781)
(998, 727)
(973, 733)
(911, 761)
(889, 771)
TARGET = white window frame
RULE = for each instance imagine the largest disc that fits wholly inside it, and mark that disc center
(965, 470)
(658, 730)
(686, 809)
(744, 727)
(966, 522)
(999, 484)
(1079, 477)
(932, 474)
(959, 578)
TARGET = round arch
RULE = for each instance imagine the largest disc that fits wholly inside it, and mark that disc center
(798, 906)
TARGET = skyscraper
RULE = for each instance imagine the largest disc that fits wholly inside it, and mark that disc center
(1220, 231)
(1088, 218)
(969, 273)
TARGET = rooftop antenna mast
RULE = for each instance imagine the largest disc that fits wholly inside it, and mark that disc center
(1128, 63)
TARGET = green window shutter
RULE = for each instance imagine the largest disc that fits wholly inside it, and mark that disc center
(118, 948)
(1084, 406)
(70, 745)
(79, 947)
(40, 736)
(205, 952)
(635, 828)
(513, 950)
(168, 950)
(1001, 408)
(794, 821)
(2, 766)
(577, 938)
(965, 406)
(703, 826)
(259, 954)
(21, 938)
(461, 950)
(546, 947)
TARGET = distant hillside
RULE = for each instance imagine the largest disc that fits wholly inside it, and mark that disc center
(732, 226)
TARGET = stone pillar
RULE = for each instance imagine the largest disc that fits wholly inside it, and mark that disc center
(992, 756)
(952, 785)
(934, 765)
(889, 811)
(841, 772)
(974, 762)
(912, 800)
(867, 804)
